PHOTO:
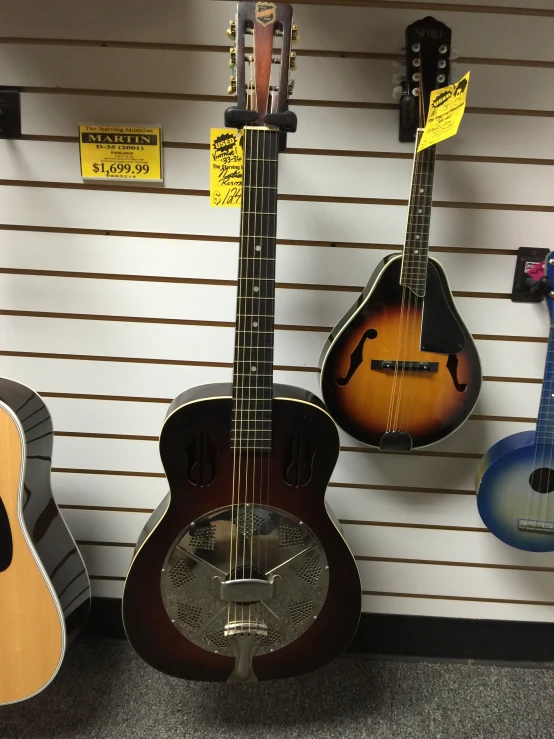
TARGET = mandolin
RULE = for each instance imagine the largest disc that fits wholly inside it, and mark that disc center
(515, 479)
(241, 574)
(400, 370)
(44, 586)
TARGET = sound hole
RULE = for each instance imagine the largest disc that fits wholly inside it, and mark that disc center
(542, 480)
(299, 460)
(6, 543)
(201, 457)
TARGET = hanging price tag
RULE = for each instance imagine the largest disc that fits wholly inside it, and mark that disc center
(121, 152)
(446, 109)
(226, 160)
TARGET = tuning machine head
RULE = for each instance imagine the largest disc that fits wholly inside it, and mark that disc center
(232, 30)
(295, 36)
(232, 89)
(233, 56)
(291, 88)
(293, 60)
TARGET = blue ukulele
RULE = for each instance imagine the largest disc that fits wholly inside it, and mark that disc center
(515, 479)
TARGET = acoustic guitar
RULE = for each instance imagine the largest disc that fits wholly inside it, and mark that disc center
(515, 479)
(242, 575)
(44, 586)
(400, 371)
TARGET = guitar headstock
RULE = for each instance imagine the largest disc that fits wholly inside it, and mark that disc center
(428, 51)
(261, 60)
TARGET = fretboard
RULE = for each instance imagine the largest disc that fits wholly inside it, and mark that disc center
(545, 422)
(253, 367)
(416, 247)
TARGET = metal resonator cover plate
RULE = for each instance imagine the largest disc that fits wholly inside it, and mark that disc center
(252, 541)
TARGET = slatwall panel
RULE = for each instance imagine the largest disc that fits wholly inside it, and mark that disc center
(115, 299)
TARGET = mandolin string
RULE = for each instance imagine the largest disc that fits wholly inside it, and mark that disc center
(417, 313)
(411, 319)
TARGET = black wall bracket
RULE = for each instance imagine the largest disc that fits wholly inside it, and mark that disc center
(10, 113)
(526, 288)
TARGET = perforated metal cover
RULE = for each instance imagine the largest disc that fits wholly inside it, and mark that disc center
(247, 542)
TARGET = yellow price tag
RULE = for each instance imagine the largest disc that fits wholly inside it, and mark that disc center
(446, 110)
(226, 162)
(121, 152)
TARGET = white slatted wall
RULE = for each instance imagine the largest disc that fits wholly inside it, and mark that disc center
(115, 299)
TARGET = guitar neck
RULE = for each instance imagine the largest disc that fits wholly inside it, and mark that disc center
(254, 336)
(416, 247)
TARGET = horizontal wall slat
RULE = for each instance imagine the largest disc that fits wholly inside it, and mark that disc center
(353, 468)
(176, 259)
(193, 302)
(83, 208)
(206, 73)
(322, 27)
(197, 343)
(465, 182)
(375, 130)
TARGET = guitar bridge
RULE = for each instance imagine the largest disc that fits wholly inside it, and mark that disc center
(535, 525)
(388, 365)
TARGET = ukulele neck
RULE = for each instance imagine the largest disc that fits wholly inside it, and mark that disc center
(416, 247)
(254, 336)
(544, 433)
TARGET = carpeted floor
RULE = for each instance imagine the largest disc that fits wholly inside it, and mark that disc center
(104, 691)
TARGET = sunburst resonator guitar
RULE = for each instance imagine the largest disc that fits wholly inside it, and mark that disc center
(44, 586)
(242, 575)
(400, 370)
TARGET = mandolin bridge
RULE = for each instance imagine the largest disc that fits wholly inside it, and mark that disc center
(388, 365)
(535, 526)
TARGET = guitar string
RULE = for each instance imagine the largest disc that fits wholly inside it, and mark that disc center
(547, 423)
(544, 423)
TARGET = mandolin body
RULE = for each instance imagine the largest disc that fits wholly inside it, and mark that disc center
(199, 462)
(438, 374)
(44, 587)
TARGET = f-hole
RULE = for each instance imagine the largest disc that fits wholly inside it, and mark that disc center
(201, 457)
(299, 462)
(6, 543)
(357, 357)
(452, 367)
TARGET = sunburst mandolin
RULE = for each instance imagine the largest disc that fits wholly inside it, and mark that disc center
(401, 371)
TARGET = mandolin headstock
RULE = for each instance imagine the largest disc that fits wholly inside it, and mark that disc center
(261, 60)
(428, 50)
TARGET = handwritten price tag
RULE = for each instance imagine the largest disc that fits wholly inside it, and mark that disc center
(446, 110)
(226, 161)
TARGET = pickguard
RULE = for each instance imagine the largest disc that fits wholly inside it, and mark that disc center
(357, 357)
(441, 332)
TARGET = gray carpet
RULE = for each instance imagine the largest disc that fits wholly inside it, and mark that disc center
(104, 691)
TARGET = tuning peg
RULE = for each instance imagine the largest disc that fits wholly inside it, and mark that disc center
(295, 37)
(291, 87)
(293, 60)
(454, 54)
(232, 30)
(232, 89)
(233, 59)
(397, 78)
(397, 92)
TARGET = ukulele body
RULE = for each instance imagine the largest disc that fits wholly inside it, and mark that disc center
(407, 367)
(44, 586)
(515, 492)
(173, 617)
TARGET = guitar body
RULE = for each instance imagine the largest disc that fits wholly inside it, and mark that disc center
(365, 398)
(44, 587)
(173, 617)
